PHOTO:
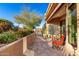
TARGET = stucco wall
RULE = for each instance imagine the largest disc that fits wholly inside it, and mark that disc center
(18, 47)
(30, 39)
(13, 49)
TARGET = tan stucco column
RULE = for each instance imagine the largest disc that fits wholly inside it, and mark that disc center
(47, 28)
(77, 26)
(24, 44)
(68, 49)
(77, 51)
(66, 42)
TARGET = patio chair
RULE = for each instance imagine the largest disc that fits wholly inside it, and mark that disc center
(58, 43)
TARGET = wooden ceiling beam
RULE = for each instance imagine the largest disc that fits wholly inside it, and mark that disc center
(50, 10)
(54, 11)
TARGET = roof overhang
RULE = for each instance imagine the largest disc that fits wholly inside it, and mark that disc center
(59, 10)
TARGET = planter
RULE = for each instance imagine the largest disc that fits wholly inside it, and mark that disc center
(18, 47)
(12, 49)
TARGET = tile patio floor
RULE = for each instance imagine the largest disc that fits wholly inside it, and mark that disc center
(41, 48)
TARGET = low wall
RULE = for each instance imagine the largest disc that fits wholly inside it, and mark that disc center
(30, 39)
(12, 49)
(17, 48)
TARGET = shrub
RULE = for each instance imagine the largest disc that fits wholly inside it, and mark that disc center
(10, 36)
(22, 32)
(7, 37)
(5, 25)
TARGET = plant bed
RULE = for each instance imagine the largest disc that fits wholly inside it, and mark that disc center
(20, 46)
(9, 37)
(6, 37)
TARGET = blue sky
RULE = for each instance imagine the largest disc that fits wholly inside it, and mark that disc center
(9, 10)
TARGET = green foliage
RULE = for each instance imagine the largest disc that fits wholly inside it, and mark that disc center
(72, 27)
(9, 33)
(15, 28)
(73, 30)
(5, 25)
(21, 33)
(29, 18)
(7, 37)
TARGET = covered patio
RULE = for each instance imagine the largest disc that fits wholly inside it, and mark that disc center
(64, 20)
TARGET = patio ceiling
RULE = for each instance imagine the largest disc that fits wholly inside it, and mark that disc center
(56, 20)
(57, 13)
(60, 12)
(50, 9)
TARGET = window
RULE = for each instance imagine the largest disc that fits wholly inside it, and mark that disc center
(72, 25)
